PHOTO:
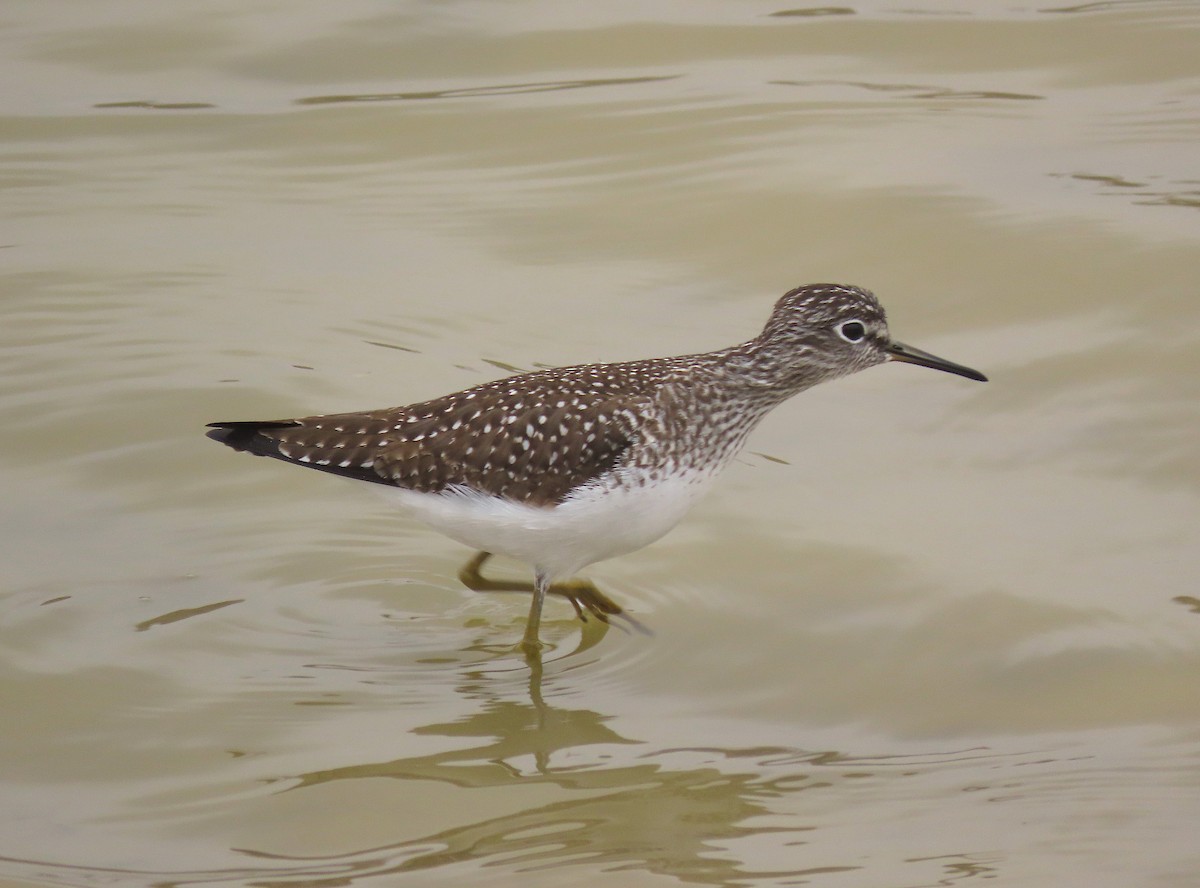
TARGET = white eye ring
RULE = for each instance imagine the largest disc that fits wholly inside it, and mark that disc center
(852, 331)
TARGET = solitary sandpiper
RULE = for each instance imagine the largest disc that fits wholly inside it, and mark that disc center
(566, 467)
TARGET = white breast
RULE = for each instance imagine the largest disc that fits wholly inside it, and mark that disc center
(591, 525)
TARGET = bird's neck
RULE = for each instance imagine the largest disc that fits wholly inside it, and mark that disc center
(762, 373)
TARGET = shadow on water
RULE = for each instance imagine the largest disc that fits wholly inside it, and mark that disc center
(677, 812)
(481, 91)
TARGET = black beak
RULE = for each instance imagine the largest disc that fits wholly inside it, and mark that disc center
(898, 351)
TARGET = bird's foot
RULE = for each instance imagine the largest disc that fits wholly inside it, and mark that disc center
(587, 600)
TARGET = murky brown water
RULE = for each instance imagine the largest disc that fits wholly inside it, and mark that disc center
(926, 631)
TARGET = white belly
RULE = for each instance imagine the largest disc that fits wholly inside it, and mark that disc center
(591, 525)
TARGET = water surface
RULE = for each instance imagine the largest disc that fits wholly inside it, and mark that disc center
(925, 631)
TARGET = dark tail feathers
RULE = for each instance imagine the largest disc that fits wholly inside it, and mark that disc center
(245, 435)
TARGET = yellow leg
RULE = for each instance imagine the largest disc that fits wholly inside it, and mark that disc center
(531, 643)
(583, 594)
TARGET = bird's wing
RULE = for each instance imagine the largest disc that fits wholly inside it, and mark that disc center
(337, 443)
(532, 448)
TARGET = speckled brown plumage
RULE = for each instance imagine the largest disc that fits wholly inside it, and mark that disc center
(530, 439)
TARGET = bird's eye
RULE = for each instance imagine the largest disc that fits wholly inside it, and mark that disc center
(852, 331)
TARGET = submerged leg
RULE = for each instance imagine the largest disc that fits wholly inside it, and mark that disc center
(583, 595)
(530, 642)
